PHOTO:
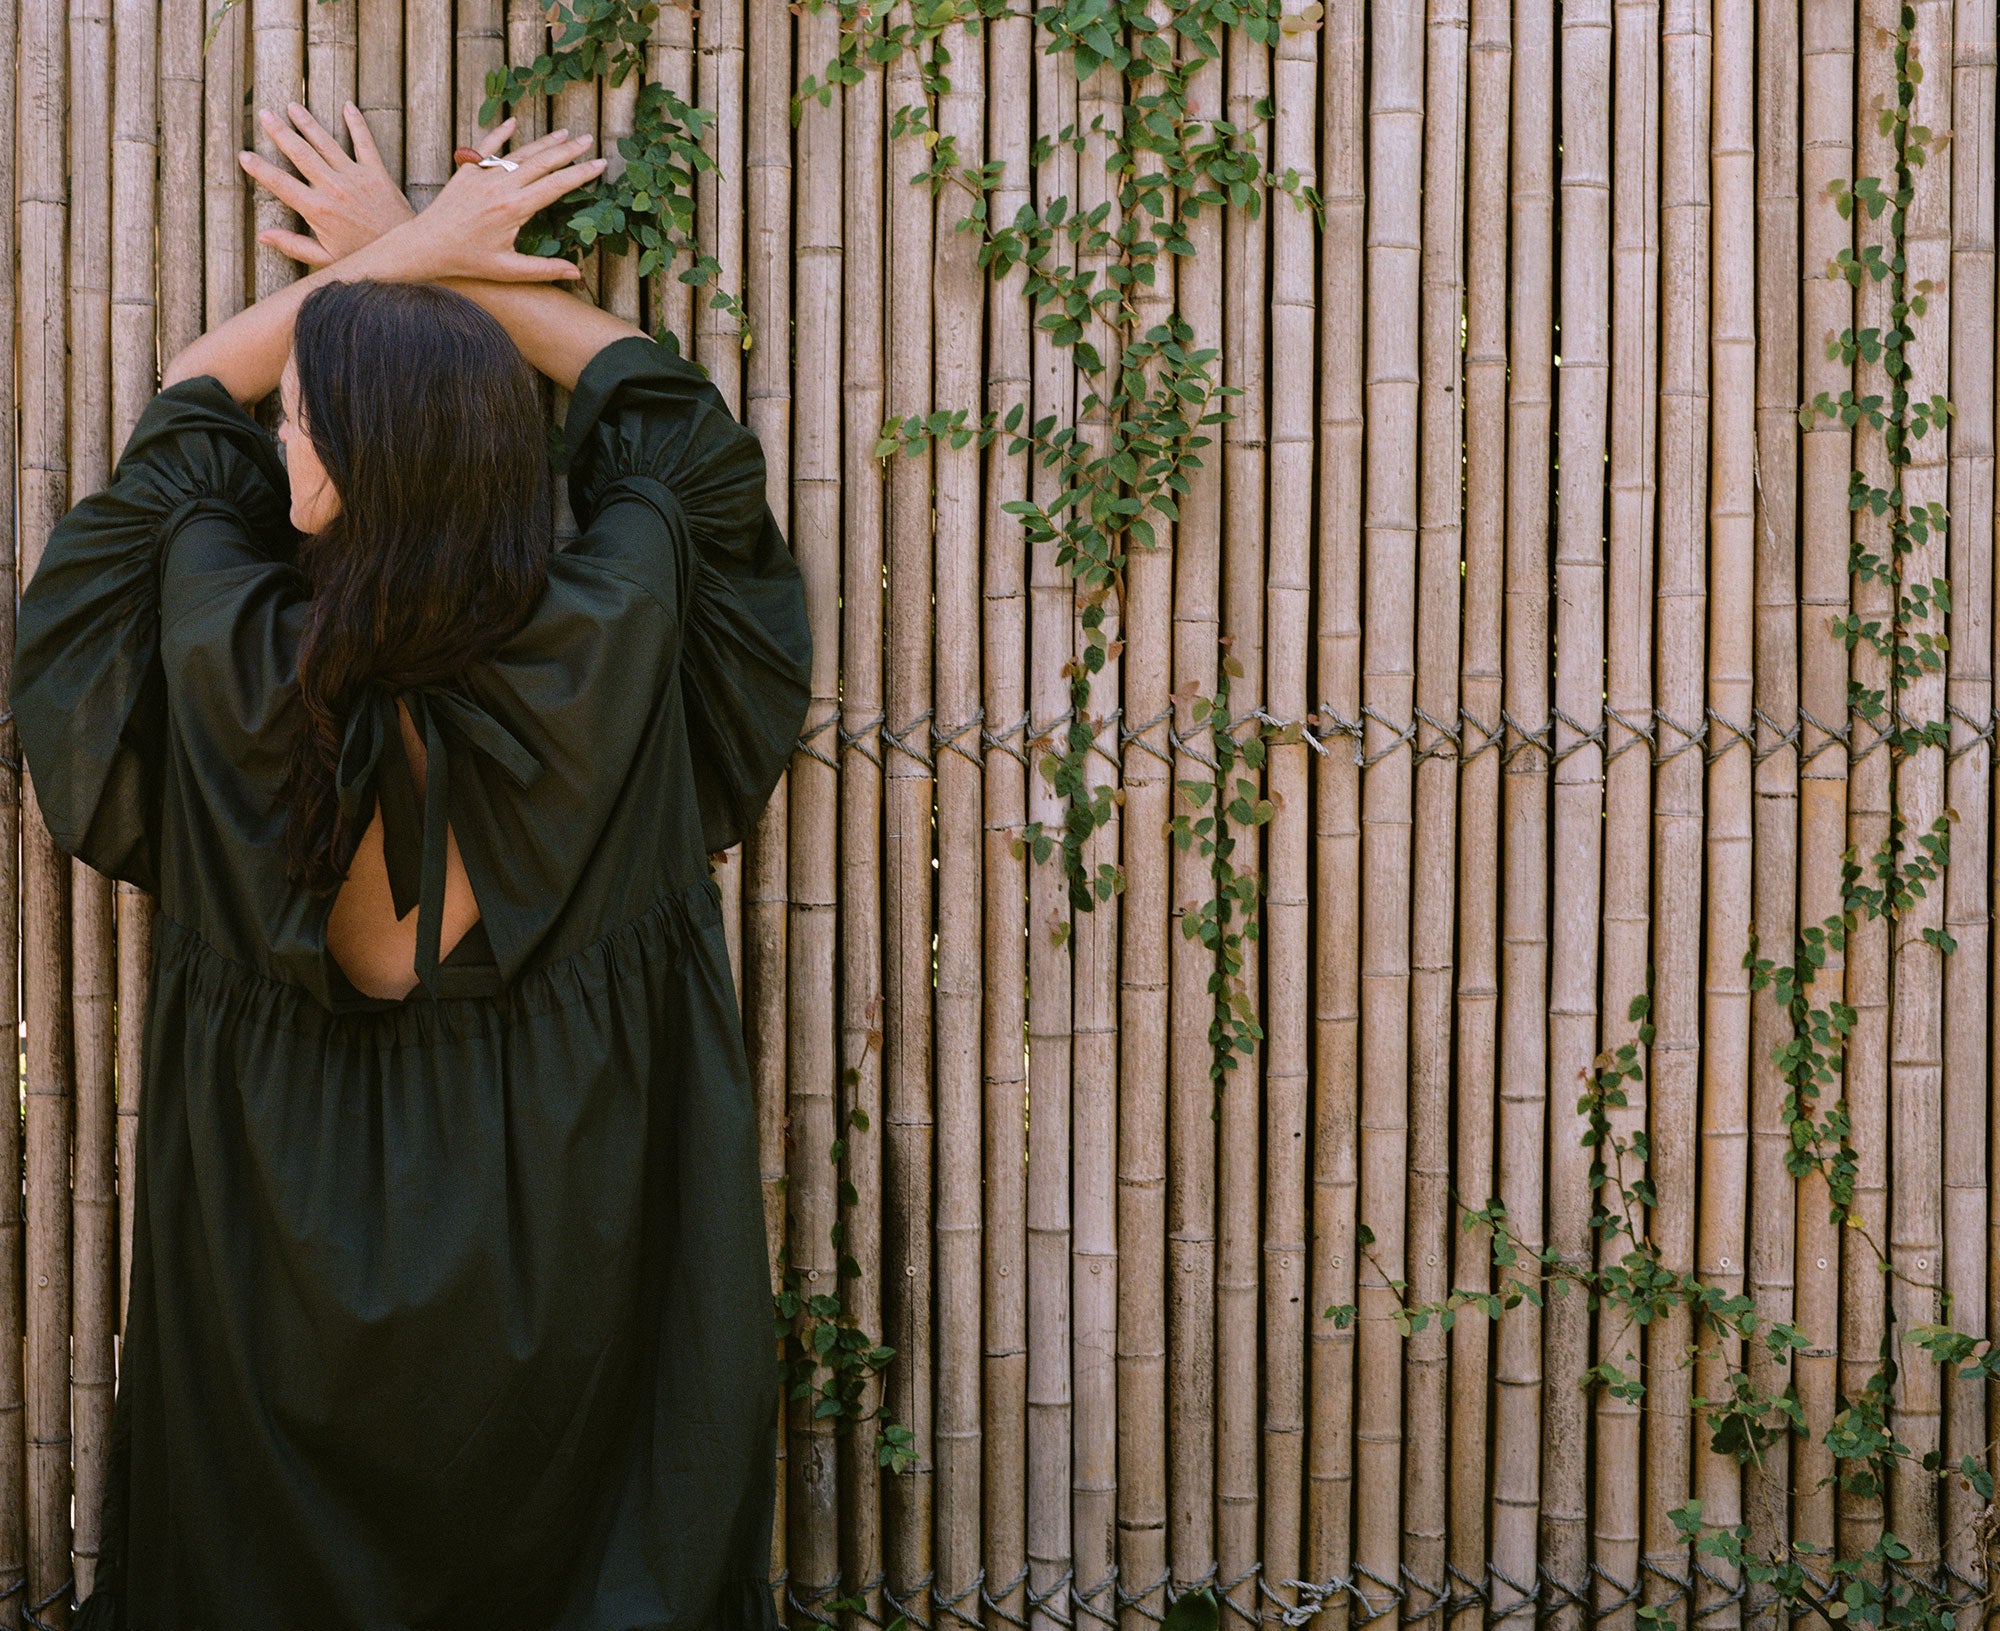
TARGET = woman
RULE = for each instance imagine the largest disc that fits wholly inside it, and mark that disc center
(449, 1304)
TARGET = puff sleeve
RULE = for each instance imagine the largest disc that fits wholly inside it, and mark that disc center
(662, 474)
(88, 690)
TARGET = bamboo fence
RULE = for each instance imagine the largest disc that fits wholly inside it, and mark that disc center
(1510, 541)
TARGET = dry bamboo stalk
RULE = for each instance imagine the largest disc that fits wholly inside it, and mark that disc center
(278, 63)
(1772, 1248)
(1487, 170)
(958, 297)
(527, 38)
(331, 63)
(1916, 1238)
(1093, 1333)
(224, 199)
(42, 217)
(1288, 906)
(378, 77)
(1337, 821)
(1389, 547)
(93, 1314)
(1864, 1303)
(908, 786)
(573, 108)
(179, 246)
(1247, 71)
(1722, 1226)
(863, 498)
(1004, 642)
(767, 293)
(1825, 455)
(1677, 784)
(1582, 431)
(1628, 772)
(618, 275)
(1434, 846)
(13, 1413)
(427, 99)
(1144, 1016)
(814, 1063)
(1191, 1177)
(720, 192)
(1050, 649)
(670, 62)
(479, 49)
(1968, 1169)
(1524, 795)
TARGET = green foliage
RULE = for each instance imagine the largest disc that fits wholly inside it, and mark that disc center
(829, 1360)
(648, 207)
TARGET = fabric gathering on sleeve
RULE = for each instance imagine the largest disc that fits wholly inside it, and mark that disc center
(663, 476)
(88, 689)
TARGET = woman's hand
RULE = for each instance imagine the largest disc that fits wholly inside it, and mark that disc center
(468, 231)
(346, 202)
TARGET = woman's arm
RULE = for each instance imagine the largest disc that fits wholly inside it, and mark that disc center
(467, 233)
(351, 203)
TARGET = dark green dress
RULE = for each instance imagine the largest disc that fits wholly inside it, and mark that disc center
(450, 1312)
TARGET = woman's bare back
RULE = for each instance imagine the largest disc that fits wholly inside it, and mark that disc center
(376, 950)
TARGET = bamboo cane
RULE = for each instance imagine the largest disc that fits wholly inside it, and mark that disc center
(907, 850)
(1916, 1103)
(1050, 650)
(1677, 784)
(767, 294)
(1247, 71)
(1574, 736)
(224, 202)
(42, 216)
(428, 99)
(277, 56)
(1479, 721)
(1825, 456)
(1330, 1450)
(1287, 911)
(179, 248)
(958, 292)
(13, 1311)
(479, 50)
(720, 192)
(378, 78)
(1864, 1304)
(331, 63)
(670, 62)
(1144, 1012)
(1721, 1227)
(1434, 857)
(1093, 1338)
(1771, 1257)
(618, 275)
(1969, 1160)
(1628, 771)
(1968, 1168)
(1004, 642)
(93, 967)
(527, 38)
(575, 108)
(809, 1035)
(1389, 545)
(1524, 798)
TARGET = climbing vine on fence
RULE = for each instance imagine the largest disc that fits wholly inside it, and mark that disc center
(1630, 1276)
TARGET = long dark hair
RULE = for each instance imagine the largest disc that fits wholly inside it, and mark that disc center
(426, 418)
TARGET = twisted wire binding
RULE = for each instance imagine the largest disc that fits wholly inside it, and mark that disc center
(1365, 1595)
(1465, 739)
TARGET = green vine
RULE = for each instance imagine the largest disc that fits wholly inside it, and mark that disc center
(649, 204)
(829, 1359)
(1156, 397)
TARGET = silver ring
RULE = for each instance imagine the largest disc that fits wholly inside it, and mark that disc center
(493, 161)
